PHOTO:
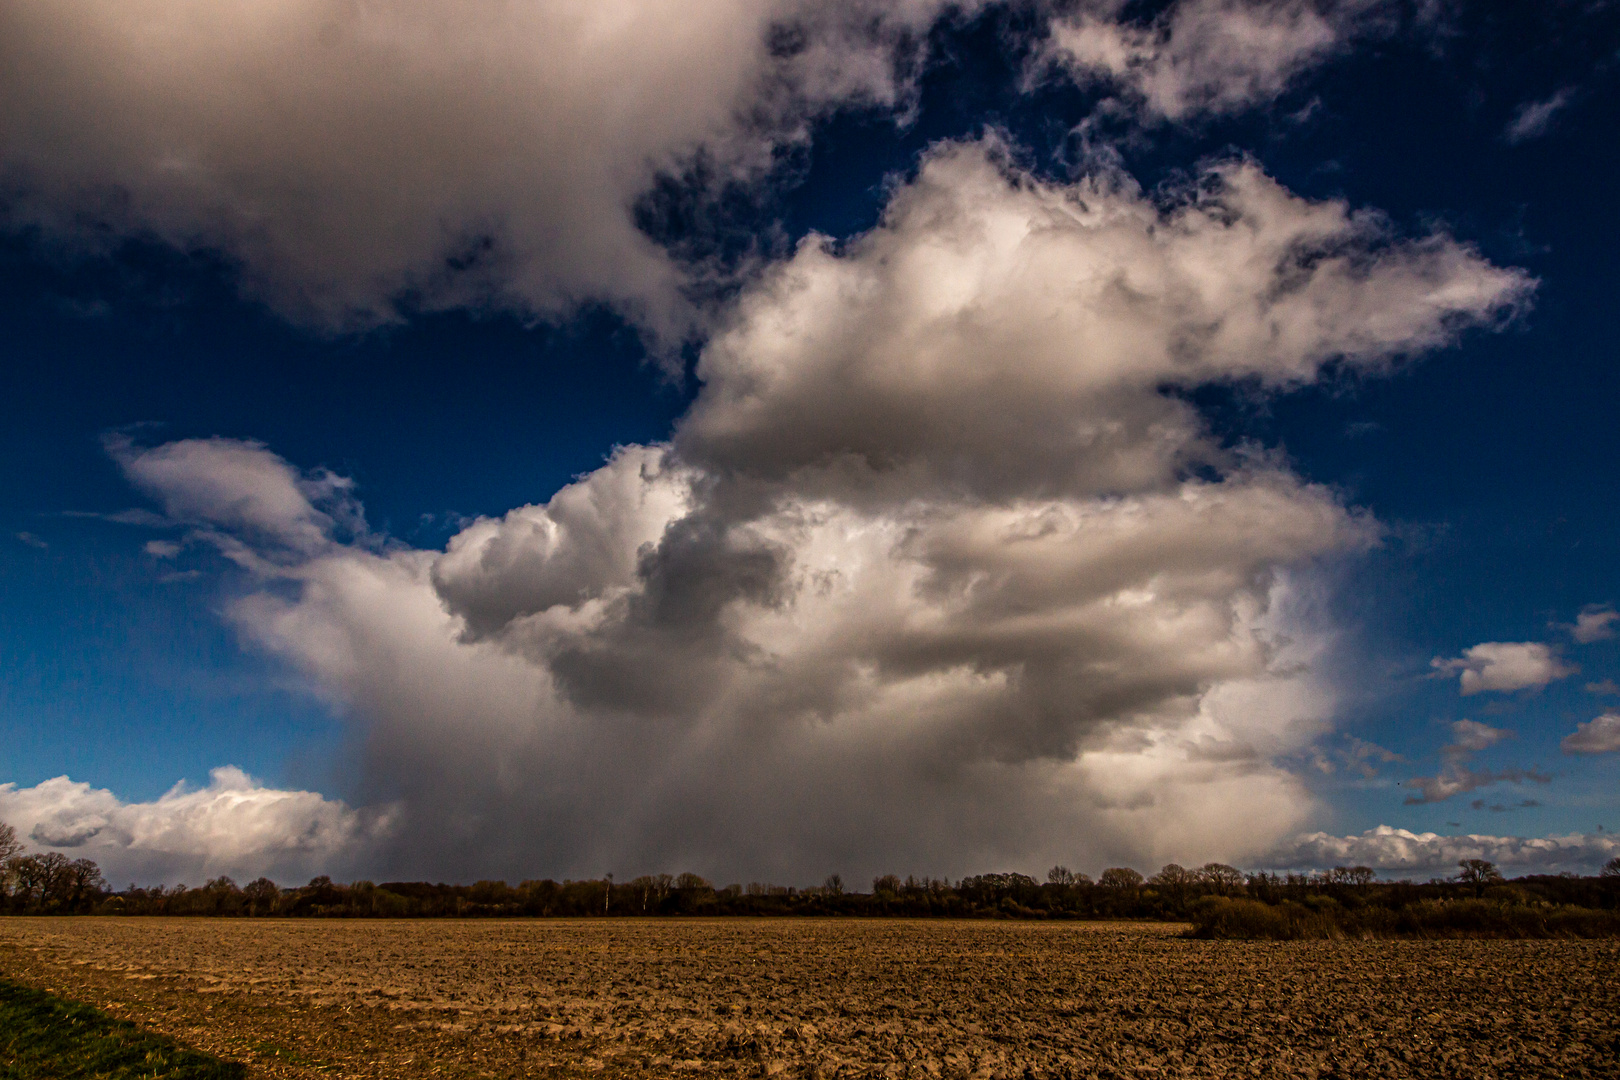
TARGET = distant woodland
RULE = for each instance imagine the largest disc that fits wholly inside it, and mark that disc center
(1220, 901)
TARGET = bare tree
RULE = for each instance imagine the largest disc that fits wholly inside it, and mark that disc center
(261, 895)
(1060, 875)
(10, 848)
(81, 882)
(1120, 877)
(1173, 875)
(9, 844)
(50, 882)
(1611, 869)
(1358, 875)
(1221, 876)
(1478, 873)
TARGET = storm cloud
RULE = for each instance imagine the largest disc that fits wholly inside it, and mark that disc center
(934, 575)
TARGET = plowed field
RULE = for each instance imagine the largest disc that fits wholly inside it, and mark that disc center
(822, 998)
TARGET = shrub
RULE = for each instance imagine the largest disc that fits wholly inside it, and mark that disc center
(1224, 917)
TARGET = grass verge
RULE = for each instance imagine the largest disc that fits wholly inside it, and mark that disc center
(44, 1037)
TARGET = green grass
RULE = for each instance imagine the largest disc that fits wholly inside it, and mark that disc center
(44, 1037)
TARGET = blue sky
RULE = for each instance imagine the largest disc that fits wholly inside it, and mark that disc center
(1484, 454)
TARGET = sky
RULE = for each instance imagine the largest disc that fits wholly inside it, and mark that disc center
(486, 440)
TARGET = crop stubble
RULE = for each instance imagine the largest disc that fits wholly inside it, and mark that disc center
(819, 998)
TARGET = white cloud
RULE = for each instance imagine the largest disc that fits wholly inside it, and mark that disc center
(1599, 736)
(238, 488)
(926, 578)
(1401, 851)
(1534, 118)
(475, 152)
(1470, 736)
(1594, 623)
(1505, 666)
(233, 826)
(1208, 56)
(1001, 335)
(582, 545)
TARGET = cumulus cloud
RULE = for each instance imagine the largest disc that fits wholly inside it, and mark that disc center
(1534, 118)
(1600, 736)
(1398, 851)
(1504, 666)
(1594, 623)
(233, 826)
(1207, 56)
(933, 574)
(892, 365)
(353, 157)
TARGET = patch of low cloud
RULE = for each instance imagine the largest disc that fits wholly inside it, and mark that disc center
(1503, 808)
(31, 540)
(1400, 851)
(1534, 119)
(1599, 736)
(1504, 666)
(1207, 57)
(234, 825)
(1457, 779)
(1357, 755)
(1595, 622)
(1469, 737)
(1603, 687)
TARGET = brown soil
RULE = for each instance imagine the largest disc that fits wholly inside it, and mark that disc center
(822, 998)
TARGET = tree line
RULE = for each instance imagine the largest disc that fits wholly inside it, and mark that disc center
(50, 883)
